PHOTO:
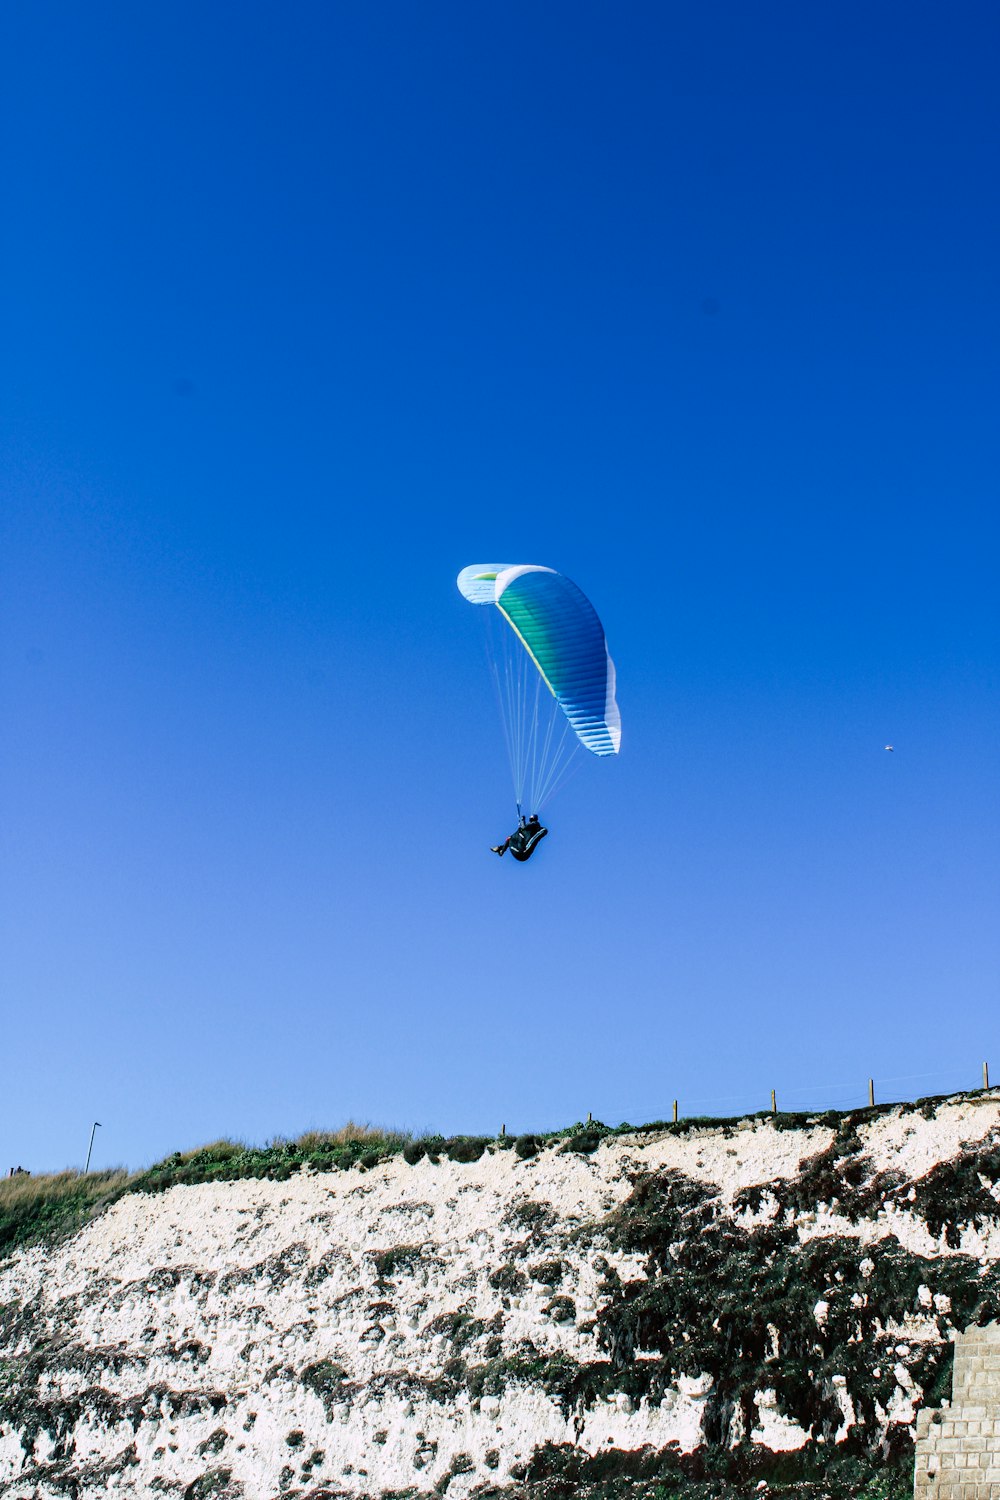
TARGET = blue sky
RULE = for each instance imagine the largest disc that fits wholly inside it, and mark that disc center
(304, 309)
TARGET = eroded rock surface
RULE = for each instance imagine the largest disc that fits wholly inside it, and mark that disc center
(455, 1327)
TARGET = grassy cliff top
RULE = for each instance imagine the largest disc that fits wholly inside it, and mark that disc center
(39, 1208)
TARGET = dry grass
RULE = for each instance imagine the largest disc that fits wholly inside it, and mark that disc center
(27, 1190)
(225, 1148)
(319, 1140)
(53, 1203)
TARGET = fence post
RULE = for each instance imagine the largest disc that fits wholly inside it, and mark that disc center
(503, 1130)
(774, 1103)
(871, 1093)
(590, 1118)
(986, 1075)
(675, 1111)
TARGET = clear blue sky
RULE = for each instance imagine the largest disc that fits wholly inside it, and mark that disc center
(306, 307)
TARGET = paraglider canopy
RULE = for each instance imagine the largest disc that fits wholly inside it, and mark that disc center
(558, 627)
(550, 636)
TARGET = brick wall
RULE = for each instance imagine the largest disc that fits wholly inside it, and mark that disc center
(958, 1446)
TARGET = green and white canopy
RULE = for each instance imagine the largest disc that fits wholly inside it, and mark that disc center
(559, 629)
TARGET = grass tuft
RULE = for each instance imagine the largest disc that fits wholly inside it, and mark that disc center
(328, 1140)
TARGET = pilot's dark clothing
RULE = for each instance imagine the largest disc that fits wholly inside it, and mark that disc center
(524, 840)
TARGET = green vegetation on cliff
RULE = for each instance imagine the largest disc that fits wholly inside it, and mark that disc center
(43, 1209)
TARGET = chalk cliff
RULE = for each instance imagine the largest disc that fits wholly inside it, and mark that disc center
(654, 1308)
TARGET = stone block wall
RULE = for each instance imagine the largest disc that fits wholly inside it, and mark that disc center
(958, 1446)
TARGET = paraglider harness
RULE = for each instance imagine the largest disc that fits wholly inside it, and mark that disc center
(525, 839)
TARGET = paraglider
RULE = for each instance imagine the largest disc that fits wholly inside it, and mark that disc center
(550, 635)
(525, 839)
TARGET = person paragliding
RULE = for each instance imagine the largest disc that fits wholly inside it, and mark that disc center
(525, 839)
(551, 639)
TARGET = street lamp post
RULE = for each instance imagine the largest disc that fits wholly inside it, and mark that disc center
(97, 1126)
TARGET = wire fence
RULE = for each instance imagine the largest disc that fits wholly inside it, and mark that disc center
(810, 1098)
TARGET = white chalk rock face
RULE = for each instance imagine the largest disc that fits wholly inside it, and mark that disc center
(255, 1337)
